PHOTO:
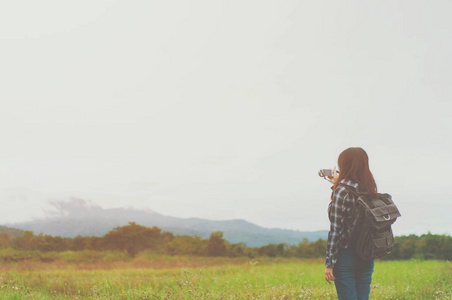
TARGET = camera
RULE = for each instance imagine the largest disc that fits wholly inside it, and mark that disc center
(326, 173)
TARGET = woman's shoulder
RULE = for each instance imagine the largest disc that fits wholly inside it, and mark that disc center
(344, 183)
(341, 190)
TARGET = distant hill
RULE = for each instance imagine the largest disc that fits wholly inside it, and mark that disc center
(77, 217)
(12, 232)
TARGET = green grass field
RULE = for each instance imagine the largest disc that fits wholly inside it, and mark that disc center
(218, 279)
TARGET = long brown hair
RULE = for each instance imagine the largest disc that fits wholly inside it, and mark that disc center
(353, 165)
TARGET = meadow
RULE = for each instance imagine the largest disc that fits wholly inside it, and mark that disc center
(185, 277)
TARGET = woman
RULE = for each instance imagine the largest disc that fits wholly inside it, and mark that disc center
(351, 275)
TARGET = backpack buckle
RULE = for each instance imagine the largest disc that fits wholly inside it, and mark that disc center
(387, 217)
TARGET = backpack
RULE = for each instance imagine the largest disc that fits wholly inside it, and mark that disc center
(372, 235)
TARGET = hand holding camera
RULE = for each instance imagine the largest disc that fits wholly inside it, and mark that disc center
(330, 175)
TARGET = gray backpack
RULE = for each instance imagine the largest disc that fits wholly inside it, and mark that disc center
(372, 235)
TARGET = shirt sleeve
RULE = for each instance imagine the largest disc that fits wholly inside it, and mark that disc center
(336, 216)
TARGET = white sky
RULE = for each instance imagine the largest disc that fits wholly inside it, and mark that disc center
(224, 109)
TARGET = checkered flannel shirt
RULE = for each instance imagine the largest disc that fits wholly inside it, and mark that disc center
(341, 222)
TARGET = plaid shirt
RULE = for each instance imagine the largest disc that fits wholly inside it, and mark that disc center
(340, 213)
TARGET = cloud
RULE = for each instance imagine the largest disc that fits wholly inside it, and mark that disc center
(75, 207)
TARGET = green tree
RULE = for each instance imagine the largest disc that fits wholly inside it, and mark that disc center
(216, 245)
(270, 250)
(4, 239)
(186, 245)
(27, 241)
(132, 238)
(237, 250)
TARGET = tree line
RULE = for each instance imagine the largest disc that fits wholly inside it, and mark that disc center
(134, 238)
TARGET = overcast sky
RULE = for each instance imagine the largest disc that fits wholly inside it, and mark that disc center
(225, 109)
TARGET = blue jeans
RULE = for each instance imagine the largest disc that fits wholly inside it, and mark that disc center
(352, 276)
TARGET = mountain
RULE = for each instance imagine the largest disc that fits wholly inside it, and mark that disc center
(77, 217)
(12, 232)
